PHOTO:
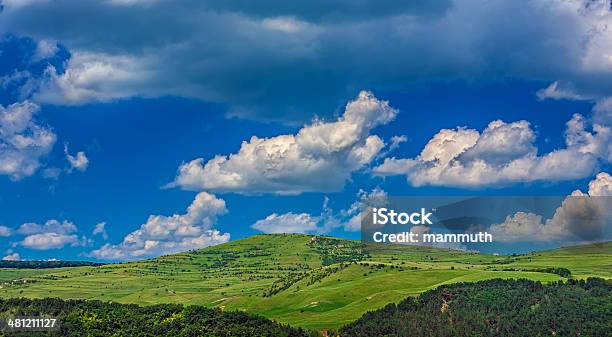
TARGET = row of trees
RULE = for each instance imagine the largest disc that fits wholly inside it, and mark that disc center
(496, 308)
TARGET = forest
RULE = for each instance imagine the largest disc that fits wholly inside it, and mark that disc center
(96, 318)
(496, 308)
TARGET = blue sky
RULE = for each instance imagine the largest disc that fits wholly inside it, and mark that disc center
(140, 107)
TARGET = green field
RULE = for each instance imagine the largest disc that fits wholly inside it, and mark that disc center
(312, 282)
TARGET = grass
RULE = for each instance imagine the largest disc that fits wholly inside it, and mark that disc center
(313, 283)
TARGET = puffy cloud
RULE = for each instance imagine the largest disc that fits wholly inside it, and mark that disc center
(227, 51)
(501, 143)
(23, 142)
(503, 153)
(50, 235)
(597, 143)
(100, 229)
(601, 186)
(288, 223)
(447, 145)
(320, 157)
(65, 227)
(12, 257)
(581, 217)
(44, 241)
(170, 234)
(79, 162)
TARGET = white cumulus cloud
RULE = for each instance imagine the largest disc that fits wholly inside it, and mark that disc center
(170, 234)
(320, 157)
(64, 227)
(503, 153)
(50, 235)
(23, 141)
(44, 241)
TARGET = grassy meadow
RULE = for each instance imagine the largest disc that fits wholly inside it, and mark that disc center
(302, 280)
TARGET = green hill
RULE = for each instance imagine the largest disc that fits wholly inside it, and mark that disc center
(307, 281)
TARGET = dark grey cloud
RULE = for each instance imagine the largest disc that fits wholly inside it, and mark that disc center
(289, 60)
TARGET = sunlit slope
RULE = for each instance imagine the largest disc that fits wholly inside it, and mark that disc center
(583, 260)
(314, 282)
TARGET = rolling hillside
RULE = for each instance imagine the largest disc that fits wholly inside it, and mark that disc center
(306, 281)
